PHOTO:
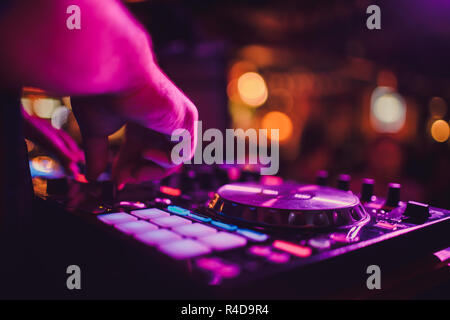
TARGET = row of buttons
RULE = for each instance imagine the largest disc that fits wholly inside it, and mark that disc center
(149, 232)
(153, 230)
(249, 234)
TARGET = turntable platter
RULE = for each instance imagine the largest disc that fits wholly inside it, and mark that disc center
(288, 205)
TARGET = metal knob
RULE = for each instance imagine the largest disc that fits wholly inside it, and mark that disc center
(393, 195)
(367, 190)
(322, 178)
(344, 182)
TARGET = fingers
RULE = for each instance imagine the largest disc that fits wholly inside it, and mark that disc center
(96, 153)
(160, 106)
(97, 120)
(75, 150)
(144, 156)
(54, 141)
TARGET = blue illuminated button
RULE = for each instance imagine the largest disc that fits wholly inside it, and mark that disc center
(225, 226)
(199, 218)
(178, 210)
(253, 235)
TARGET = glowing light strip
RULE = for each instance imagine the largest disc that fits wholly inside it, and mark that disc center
(292, 248)
(243, 189)
(170, 191)
(344, 203)
(269, 203)
(272, 192)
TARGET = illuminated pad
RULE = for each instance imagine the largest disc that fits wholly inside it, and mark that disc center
(136, 227)
(178, 210)
(195, 230)
(253, 235)
(292, 248)
(171, 222)
(157, 237)
(223, 241)
(184, 249)
(116, 218)
(148, 214)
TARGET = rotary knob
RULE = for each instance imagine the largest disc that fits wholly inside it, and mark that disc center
(393, 195)
(367, 190)
(322, 177)
(344, 182)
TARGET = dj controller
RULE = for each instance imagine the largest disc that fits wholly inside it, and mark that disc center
(225, 232)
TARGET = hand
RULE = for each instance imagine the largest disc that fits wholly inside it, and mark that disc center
(57, 142)
(150, 113)
(108, 68)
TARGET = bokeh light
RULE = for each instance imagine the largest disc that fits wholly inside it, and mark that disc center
(27, 105)
(278, 120)
(60, 117)
(388, 110)
(43, 164)
(239, 68)
(440, 130)
(44, 107)
(386, 78)
(438, 107)
(252, 89)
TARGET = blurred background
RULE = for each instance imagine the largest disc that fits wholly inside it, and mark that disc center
(369, 103)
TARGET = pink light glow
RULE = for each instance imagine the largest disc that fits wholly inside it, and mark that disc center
(260, 251)
(269, 202)
(297, 250)
(243, 189)
(271, 180)
(332, 201)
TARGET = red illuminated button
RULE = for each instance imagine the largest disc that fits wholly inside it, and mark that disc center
(296, 250)
(170, 191)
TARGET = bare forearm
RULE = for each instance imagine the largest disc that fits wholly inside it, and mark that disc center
(109, 54)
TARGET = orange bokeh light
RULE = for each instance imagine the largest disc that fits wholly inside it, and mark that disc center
(440, 130)
(278, 120)
(252, 89)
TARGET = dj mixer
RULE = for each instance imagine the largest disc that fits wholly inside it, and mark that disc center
(217, 231)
